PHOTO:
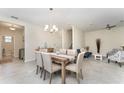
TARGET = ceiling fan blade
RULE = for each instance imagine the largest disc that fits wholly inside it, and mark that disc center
(109, 27)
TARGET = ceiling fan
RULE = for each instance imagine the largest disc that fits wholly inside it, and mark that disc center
(109, 27)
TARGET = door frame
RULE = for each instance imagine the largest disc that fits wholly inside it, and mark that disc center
(4, 19)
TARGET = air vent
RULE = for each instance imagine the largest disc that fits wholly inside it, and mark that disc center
(14, 17)
(50, 9)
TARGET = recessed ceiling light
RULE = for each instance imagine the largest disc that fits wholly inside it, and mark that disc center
(12, 28)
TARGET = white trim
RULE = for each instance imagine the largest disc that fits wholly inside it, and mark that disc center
(14, 46)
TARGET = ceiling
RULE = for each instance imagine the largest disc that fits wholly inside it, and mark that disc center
(87, 19)
(8, 25)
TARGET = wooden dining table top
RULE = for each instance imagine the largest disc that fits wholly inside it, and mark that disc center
(59, 59)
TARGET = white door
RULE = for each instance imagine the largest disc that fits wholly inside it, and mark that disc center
(8, 46)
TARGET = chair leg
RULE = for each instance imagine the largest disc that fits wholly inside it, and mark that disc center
(50, 78)
(81, 74)
(44, 74)
(37, 69)
(40, 68)
(41, 72)
(108, 60)
(77, 75)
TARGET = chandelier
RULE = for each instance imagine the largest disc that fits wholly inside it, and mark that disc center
(51, 27)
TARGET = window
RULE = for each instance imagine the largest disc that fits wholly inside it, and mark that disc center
(8, 39)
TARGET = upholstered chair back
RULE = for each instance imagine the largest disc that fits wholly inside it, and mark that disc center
(79, 61)
(63, 51)
(47, 62)
(82, 50)
(39, 59)
(71, 52)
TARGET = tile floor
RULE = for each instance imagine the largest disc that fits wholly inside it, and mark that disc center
(94, 72)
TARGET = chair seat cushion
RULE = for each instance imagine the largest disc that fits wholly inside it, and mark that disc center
(55, 67)
(71, 67)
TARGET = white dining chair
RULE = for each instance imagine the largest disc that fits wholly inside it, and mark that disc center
(77, 67)
(39, 62)
(71, 52)
(44, 50)
(63, 51)
(49, 66)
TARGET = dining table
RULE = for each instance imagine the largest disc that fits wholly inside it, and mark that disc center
(63, 61)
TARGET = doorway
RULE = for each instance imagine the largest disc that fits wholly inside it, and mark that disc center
(12, 42)
(8, 46)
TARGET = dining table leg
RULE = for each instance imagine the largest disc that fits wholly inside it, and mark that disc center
(63, 73)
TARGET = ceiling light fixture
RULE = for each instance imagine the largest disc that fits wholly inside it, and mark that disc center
(51, 27)
(12, 27)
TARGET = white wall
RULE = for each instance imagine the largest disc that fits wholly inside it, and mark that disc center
(66, 38)
(53, 40)
(78, 38)
(34, 36)
(110, 39)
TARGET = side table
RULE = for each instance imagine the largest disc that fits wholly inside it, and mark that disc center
(98, 57)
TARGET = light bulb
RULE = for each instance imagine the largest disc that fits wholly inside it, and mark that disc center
(46, 27)
(12, 28)
(54, 26)
(56, 29)
(51, 30)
